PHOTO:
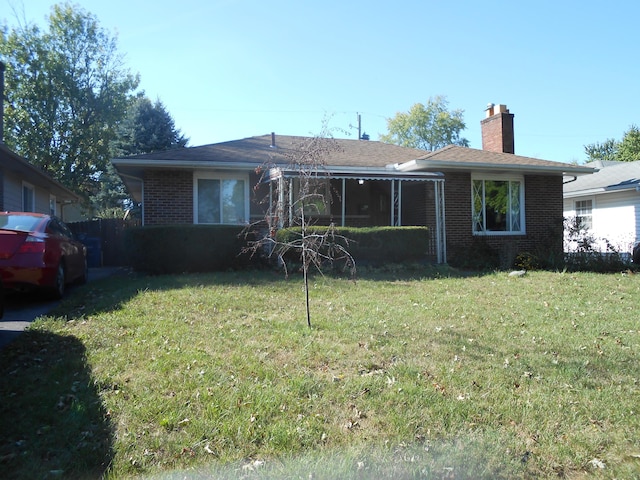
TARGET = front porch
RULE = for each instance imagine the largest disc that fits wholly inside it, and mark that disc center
(371, 198)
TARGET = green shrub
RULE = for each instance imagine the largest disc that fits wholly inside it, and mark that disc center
(185, 248)
(371, 245)
(477, 256)
(586, 253)
(527, 261)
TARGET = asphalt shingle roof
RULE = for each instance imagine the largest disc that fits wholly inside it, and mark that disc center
(612, 176)
(258, 150)
(471, 156)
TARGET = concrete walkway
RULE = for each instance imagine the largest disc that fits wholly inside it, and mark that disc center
(21, 310)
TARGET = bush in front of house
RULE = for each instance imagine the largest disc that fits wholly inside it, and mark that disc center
(477, 256)
(372, 246)
(163, 249)
(586, 253)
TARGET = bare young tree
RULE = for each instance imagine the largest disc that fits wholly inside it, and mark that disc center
(300, 197)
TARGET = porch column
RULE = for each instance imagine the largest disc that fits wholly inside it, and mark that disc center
(344, 201)
(441, 231)
(280, 206)
(396, 203)
(290, 182)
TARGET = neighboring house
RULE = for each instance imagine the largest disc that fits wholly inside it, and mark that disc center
(607, 204)
(24, 187)
(463, 195)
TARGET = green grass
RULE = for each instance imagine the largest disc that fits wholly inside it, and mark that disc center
(403, 375)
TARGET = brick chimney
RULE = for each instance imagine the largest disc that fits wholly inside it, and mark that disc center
(497, 129)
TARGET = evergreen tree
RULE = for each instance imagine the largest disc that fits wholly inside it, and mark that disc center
(148, 127)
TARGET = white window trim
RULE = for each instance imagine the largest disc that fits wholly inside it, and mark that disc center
(501, 177)
(33, 196)
(593, 207)
(203, 175)
(52, 202)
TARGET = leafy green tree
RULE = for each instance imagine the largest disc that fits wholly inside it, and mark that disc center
(629, 147)
(148, 127)
(66, 90)
(625, 150)
(112, 199)
(605, 151)
(427, 127)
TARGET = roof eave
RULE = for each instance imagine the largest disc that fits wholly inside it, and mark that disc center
(127, 162)
(598, 190)
(358, 174)
(414, 165)
(39, 177)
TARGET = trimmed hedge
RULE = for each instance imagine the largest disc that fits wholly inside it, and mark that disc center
(185, 248)
(374, 245)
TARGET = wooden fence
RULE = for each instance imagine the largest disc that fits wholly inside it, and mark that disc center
(104, 239)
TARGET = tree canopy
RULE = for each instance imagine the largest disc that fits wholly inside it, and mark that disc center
(625, 150)
(66, 90)
(629, 146)
(148, 127)
(427, 127)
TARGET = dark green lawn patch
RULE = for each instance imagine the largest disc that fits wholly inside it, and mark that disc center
(53, 422)
(402, 376)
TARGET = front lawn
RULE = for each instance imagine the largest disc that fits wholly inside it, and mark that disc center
(401, 376)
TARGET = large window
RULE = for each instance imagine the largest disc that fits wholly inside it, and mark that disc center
(498, 206)
(584, 213)
(221, 200)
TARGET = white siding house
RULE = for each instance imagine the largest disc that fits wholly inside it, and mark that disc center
(608, 203)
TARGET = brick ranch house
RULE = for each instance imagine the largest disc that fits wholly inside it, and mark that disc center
(512, 203)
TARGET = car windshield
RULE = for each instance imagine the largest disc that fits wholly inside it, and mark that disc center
(21, 223)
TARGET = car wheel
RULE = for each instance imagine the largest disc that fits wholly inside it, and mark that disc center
(57, 291)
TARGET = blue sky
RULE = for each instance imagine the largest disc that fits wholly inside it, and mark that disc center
(229, 69)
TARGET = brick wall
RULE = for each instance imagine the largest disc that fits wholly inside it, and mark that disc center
(168, 197)
(497, 133)
(543, 218)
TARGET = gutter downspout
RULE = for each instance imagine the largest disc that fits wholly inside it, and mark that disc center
(575, 177)
(142, 189)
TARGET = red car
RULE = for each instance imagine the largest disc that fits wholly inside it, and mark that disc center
(39, 251)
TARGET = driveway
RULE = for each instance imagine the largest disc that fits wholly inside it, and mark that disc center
(21, 310)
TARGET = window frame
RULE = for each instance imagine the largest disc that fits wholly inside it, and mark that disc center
(521, 199)
(221, 176)
(579, 217)
(28, 188)
(52, 205)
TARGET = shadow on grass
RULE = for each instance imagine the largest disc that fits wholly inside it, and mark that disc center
(52, 420)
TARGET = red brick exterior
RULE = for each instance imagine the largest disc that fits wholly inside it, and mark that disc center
(497, 133)
(543, 219)
(168, 197)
